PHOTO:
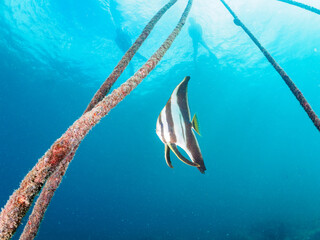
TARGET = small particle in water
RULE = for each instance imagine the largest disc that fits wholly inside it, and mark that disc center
(316, 50)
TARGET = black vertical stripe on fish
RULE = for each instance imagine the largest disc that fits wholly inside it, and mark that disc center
(183, 106)
(161, 125)
(191, 142)
(169, 118)
(182, 100)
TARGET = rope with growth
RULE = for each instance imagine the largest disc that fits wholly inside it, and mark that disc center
(21, 200)
(301, 5)
(53, 182)
(294, 89)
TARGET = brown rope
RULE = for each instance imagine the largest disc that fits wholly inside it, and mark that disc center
(294, 89)
(54, 181)
(301, 5)
(21, 200)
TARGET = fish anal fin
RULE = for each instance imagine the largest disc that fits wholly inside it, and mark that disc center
(175, 150)
(195, 124)
(167, 155)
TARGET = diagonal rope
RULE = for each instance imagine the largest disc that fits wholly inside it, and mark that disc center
(20, 201)
(53, 182)
(301, 5)
(294, 89)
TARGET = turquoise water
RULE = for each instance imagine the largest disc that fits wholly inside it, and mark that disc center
(260, 149)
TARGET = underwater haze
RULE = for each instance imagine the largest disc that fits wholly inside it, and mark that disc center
(261, 151)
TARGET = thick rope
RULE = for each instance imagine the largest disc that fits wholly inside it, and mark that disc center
(20, 201)
(294, 89)
(118, 70)
(301, 5)
(53, 182)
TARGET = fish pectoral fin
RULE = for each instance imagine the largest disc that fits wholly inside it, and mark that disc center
(175, 150)
(167, 155)
(195, 124)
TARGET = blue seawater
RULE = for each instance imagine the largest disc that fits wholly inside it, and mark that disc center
(261, 150)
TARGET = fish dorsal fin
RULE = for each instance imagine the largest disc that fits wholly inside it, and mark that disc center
(195, 124)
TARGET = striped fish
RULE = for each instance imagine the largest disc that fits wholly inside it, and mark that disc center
(175, 129)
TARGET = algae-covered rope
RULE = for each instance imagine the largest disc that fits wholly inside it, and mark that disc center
(53, 182)
(301, 5)
(118, 70)
(294, 89)
(22, 198)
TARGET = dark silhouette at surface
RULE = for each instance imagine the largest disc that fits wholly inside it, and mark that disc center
(122, 37)
(195, 32)
(124, 42)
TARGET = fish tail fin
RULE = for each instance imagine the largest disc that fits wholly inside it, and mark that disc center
(202, 169)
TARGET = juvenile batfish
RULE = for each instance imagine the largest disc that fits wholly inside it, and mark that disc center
(175, 129)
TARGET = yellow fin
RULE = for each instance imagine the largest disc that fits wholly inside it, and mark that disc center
(195, 124)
